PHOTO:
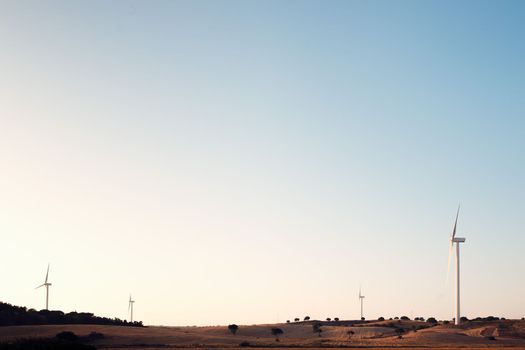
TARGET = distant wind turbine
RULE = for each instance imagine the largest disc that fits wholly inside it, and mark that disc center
(46, 284)
(130, 306)
(457, 240)
(361, 297)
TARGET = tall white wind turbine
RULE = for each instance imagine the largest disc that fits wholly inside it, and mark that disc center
(457, 240)
(361, 297)
(130, 306)
(46, 284)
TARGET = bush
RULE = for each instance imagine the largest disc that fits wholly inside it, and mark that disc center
(362, 318)
(432, 320)
(381, 318)
(244, 344)
(287, 321)
(463, 319)
(405, 318)
(446, 322)
(276, 332)
(307, 318)
(328, 319)
(336, 319)
(233, 328)
(296, 319)
(67, 336)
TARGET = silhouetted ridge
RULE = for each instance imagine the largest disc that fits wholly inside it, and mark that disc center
(11, 315)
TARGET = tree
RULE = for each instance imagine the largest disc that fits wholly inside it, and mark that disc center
(307, 318)
(316, 327)
(328, 319)
(432, 320)
(296, 319)
(463, 319)
(276, 332)
(400, 330)
(287, 321)
(233, 328)
(381, 318)
(336, 319)
(362, 318)
(405, 318)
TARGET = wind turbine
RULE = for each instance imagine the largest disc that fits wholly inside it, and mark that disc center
(130, 306)
(361, 297)
(46, 284)
(457, 240)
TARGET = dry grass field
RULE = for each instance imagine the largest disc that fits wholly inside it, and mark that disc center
(377, 335)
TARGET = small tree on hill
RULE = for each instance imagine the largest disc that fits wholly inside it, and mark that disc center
(287, 321)
(316, 327)
(432, 320)
(405, 318)
(328, 319)
(296, 319)
(307, 318)
(276, 332)
(362, 318)
(381, 318)
(336, 319)
(233, 328)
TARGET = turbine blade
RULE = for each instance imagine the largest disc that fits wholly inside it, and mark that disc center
(40, 286)
(448, 264)
(47, 273)
(455, 224)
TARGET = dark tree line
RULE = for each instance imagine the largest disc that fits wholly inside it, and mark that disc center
(11, 315)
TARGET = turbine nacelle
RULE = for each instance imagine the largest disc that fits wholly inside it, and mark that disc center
(458, 240)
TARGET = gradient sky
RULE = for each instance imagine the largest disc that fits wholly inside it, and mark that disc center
(256, 161)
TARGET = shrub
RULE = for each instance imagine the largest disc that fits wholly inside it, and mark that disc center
(432, 320)
(396, 318)
(336, 319)
(307, 318)
(405, 318)
(67, 336)
(328, 319)
(296, 319)
(287, 321)
(233, 328)
(362, 318)
(381, 318)
(463, 319)
(446, 322)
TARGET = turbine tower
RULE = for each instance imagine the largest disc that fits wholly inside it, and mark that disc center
(361, 297)
(46, 284)
(457, 240)
(130, 306)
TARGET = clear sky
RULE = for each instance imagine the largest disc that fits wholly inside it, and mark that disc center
(256, 161)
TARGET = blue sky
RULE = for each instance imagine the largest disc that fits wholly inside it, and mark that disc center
(256, 161)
